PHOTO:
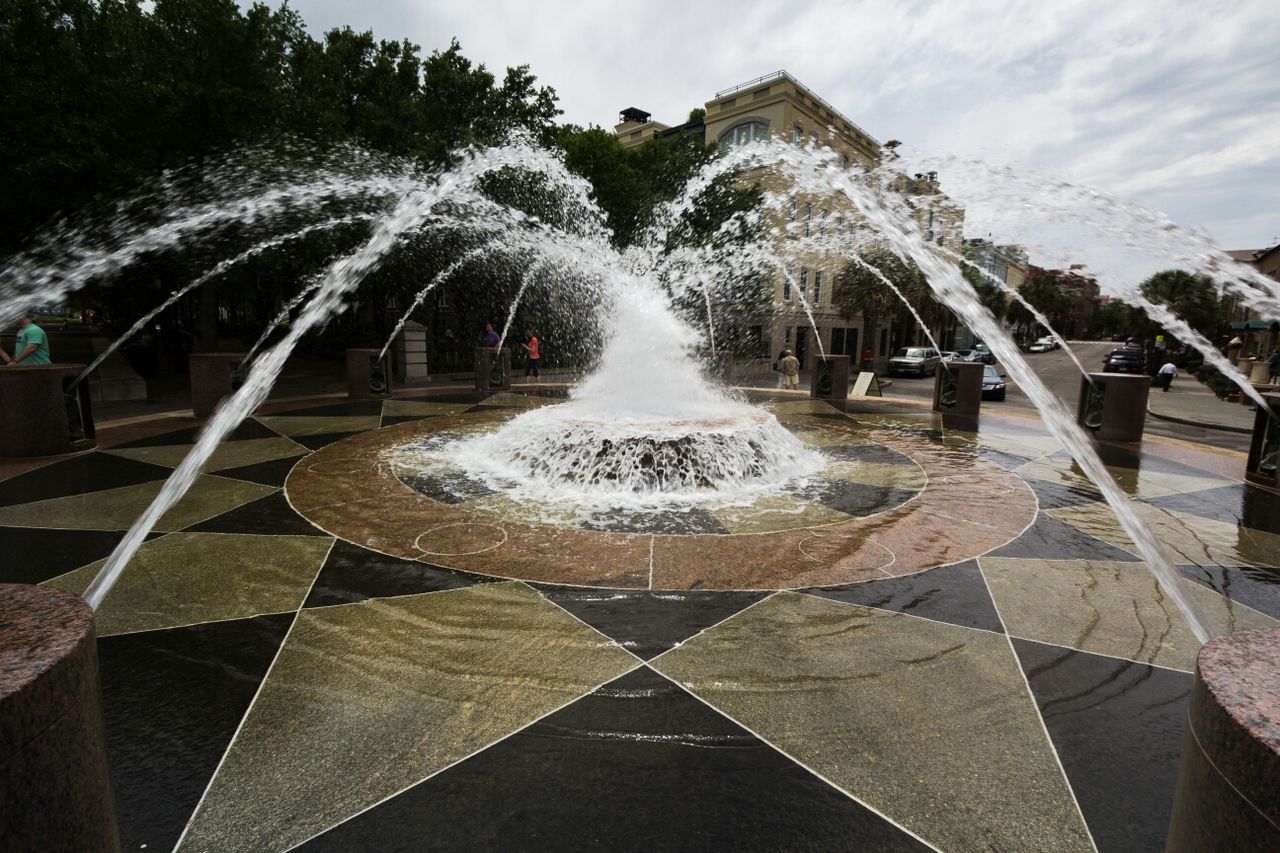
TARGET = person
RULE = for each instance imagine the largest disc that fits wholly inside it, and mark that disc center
(31, 345)
(534, 350)
(777, 365)
(1167, 372)
(790, 370)
(491, 338)
(1274, 364)
(866, 359)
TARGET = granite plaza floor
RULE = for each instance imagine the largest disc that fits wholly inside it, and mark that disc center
(945, 641)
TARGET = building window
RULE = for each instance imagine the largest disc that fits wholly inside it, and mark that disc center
(797, 134)
(840, 225)
(749, 131)
(813, 139)
(817, 287)
(795, 204)
(884, 342)
(804, 284)
(844, 160)
(786, 286)
(822, 221)
(808, 218)
(939, 230)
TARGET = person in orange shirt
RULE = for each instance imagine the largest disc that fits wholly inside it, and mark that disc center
(534, 351)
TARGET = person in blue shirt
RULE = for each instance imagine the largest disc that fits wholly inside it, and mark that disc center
(491, 338)
(32, 345)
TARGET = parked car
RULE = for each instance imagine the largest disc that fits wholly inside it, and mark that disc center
(982, 354)
(1043, 345)
(1120, 337)
(1124, 360)
(915, 361)
(993, 383)
(948, 355)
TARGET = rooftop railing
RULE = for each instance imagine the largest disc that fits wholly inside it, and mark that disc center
(785, 75)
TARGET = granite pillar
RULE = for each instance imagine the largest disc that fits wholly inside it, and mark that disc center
(367, 375)
(212, 379)
(957, 388)
(38, 392)
(1263, 465)
(1114, 405)
(1260, 373)
(55, 792)
(1228, 794)
(493, 369)
(829, 377)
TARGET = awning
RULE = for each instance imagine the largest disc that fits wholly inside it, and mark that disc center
(1251, 325)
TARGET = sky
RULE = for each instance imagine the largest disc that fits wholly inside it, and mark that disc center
(1173, 104)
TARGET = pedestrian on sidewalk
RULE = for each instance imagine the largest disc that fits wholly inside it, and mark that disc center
(491, 338)
(790, 370)
(534, 350)
(1167, 372)
(31, 345)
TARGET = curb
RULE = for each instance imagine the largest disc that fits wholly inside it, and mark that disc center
(1202, 424)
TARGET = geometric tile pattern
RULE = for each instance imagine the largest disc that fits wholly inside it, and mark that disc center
(418, 702)
(816, 678)
(366, 699)
(188, 578)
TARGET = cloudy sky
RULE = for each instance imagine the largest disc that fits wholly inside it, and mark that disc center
(1175, 104)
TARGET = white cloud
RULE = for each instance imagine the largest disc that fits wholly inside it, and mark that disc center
(1174, 103)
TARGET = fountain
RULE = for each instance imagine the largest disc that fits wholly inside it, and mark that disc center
(644, 438)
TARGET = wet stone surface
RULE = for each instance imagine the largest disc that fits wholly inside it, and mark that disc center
(333, 654)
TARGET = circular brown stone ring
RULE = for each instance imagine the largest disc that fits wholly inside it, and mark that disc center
(967, 507)
(54, 790)
(1228, 795)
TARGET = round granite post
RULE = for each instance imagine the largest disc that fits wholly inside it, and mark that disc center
(492, 369)
(34, 422)
(1228, 795)
(829, 377)
(1263, 465)
(1114, 405)
(211, 380)
(55, 793)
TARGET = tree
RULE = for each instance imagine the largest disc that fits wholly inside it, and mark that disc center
(1194, 298)
(858, 290)
(1044, 291)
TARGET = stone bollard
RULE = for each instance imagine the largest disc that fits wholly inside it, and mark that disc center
(367, 375)
(957, 388)
(1226, 797)
(1264, 448)
(213, 377)
(55, 792)
(493, 369)
(51, 421)
(1114, 406)
(829, 377)
(1260, 373)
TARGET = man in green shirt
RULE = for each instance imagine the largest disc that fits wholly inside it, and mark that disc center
(32, 345)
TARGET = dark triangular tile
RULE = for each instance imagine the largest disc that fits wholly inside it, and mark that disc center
(172, 701)
(315, 442)
(870, 453)
(1008, 461)
(1118, 727)
(450, 397)
(955, 594)
(1253, 586)
(247, 429)
(352, 574)
(637, 765)
(1233, 504)
(1059, 495)
(347, 409)
(33, 555)
(270, 473)
(646, 622)
(684, 521)
(91, 472)
(856, 499)
(392, 420)
(269, 516)
(1053, 539)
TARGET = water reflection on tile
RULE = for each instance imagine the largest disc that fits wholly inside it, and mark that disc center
(231, 454)
(366, 699)
(351, 574)
(1118, 728)
(1192, 539)
(171, 701)
(117, 509)
(1254, 586)
(185, 578)
(306, 425)
(955, 594)
(421, 409)
(1234, 504)
(777, 512)
(1111, 608)
(637, 765)
(961, 759)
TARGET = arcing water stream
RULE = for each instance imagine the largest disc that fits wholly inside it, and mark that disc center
(644, 425)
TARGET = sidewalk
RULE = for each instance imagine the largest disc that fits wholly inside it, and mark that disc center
(1189, 402)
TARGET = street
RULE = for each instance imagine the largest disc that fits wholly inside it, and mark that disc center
(1057, 371)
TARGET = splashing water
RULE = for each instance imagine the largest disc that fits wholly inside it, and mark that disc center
(645, 427)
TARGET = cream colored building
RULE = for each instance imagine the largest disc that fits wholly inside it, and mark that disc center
(779, 106)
